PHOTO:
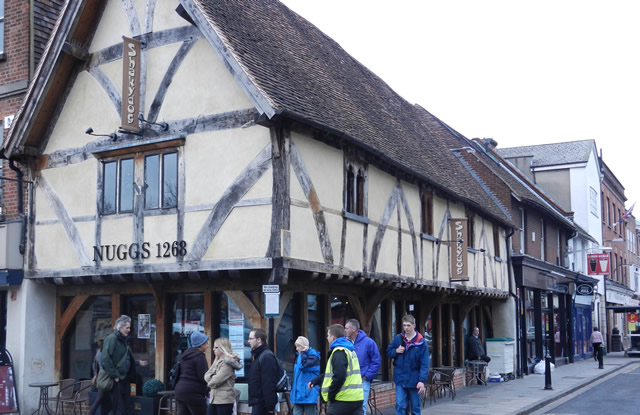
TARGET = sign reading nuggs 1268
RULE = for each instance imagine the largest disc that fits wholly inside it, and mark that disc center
(458, 228)
(144, 250)
(130, 84)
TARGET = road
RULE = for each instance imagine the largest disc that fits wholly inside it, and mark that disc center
(617, 393)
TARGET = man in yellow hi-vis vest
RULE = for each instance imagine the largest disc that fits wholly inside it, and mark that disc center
(341, 381)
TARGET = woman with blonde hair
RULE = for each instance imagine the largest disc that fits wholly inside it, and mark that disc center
(221, 378)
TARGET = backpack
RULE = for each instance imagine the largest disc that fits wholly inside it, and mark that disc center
(174, 375)
(282, 384)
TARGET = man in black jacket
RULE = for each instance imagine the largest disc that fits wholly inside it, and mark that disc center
(263, 375)
(476, 351)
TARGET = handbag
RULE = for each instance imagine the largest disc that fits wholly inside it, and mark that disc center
(104, 381)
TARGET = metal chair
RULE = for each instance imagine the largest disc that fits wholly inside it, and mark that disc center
(81, 394)
(444, 382)
(65, 394)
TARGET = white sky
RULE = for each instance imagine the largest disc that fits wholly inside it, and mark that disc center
(521, 72)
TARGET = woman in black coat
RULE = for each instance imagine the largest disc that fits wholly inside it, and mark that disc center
(191, 389)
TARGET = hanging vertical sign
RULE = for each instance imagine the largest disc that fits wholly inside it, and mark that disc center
(458, 244)
(130, 84)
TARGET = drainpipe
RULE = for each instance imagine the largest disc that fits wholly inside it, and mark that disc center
(517, 301)
(23, 218)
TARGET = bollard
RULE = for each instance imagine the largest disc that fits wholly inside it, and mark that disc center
(547, 372)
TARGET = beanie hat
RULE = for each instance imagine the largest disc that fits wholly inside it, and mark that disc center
(198, 339)
(303, 342)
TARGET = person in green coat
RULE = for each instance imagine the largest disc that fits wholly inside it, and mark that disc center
(116, 360)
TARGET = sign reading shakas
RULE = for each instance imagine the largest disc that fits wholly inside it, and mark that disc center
(458, 229)
(139, 251)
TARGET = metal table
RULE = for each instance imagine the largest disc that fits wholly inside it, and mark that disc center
(43, 404)
(477, 367)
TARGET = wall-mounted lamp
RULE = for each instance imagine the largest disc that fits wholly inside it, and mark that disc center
(163, 125)
(112, 136)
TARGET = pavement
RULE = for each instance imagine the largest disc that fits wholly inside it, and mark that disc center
(527, 394)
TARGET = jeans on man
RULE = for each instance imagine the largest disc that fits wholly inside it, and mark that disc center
(366, 387)
(305, 409)
(406, 396)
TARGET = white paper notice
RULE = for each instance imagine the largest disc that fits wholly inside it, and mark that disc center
(272, 304)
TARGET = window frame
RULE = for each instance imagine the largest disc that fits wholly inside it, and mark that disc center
(139, 161)
(355, 193)
(593, 201)
(426, 199)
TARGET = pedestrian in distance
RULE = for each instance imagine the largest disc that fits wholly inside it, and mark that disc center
(307, 367)
(596, 341)
(368, 356)
(475, 348)
(191, 388)
(341, 381)
(117, 361)
(263, 375)
(221, 378)
(410, 355)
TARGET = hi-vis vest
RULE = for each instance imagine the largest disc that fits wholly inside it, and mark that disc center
(351, 390)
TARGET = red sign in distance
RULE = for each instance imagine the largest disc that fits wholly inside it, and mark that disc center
(597, 264)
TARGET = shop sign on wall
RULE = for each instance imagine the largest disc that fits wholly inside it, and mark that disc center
(130, 84)
(458, 234)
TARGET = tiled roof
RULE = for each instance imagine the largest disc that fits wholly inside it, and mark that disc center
(303, 74)
(552, 154)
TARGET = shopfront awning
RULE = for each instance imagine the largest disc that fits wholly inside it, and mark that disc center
(11, 277)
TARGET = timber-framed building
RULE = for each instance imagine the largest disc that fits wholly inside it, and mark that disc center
(238, 146)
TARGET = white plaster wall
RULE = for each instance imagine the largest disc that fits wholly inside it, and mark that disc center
(193, 222)
(388, 256)
(304, 236)
(164, 15)
(353, 245)
(262, 189)
(334, 227)
(325, 166)
(44, 211)
(582, 179)
(439, 215)
(295, 190)
(381, 187)
(30, 338)
(58, 254)
(116, 232)
(191, 93)
(160, 229)
(79, 196)
(244, 234)
(407, 263)
(158, 61)
(215, 159)
(87, 106)
(428, 251)
(112, 26)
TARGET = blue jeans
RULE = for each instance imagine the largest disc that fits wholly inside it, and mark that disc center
(403, 397)
(366, 387)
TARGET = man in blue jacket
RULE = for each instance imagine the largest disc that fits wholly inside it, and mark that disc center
(368, 356)
(410, 354)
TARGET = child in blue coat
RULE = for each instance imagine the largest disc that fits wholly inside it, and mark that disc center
(307, 367)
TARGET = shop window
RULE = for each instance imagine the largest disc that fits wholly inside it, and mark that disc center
(142, 310)
(160, 182)
(355, 188)
(235, 326)
(187, 316)
(427, 213)
(314, 324)
(543, 240)
(376, 334)
(523, 231)
(285, 338)
(428, 335)
(84, 337)
(341, 310)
